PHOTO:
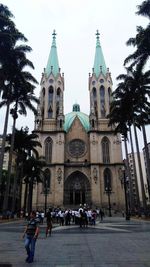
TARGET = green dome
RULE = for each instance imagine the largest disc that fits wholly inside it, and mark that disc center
(76, 107)
(70, 117)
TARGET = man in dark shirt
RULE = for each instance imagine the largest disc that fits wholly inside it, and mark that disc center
(31, 233)
(49, 223)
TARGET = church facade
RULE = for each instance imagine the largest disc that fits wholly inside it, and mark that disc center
(83, 156)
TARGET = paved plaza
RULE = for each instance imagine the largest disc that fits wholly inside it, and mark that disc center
(113, 243)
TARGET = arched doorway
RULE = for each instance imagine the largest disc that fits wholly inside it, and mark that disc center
(77, 189)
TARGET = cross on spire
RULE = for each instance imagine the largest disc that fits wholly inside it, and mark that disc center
(97, 34)
(54, 34)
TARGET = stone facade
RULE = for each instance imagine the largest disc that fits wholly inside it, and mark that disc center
(82, 153)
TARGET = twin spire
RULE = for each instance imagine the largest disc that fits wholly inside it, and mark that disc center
(99, 61)
(53, 64)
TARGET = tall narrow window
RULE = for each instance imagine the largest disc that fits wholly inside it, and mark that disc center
(105, 150)
(107, 180)
(94, 93)
(50, 95)
(102, 101)
(93, 124)
(48, 150)
(57, 110)
(58, 94)
(50, 113)
(60, 124)
(43, 97)
(94, 100)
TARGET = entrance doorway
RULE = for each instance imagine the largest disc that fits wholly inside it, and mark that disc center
(77, 197)
(77, 189)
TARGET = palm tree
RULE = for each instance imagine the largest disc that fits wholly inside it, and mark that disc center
(9, 36)
(130, 99)
(135, 172)
(33, 174)
(3, 187)
(24, 145)
(144, 9)
(23, 97)
(142, 39)
(140, 84)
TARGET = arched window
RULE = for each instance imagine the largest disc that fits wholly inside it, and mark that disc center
(58, 94)
(105, 150)
(107, 180)
(50, 95)
(94, 93)
(50, 113)
(43, 97)
(48, 150)
(102, 101)
(47, 180)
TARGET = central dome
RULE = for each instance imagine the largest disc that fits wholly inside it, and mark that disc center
(70, 117)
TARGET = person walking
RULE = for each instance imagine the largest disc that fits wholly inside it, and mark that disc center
(31, 234)
(49, 223)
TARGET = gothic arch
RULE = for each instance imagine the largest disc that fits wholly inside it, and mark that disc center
(48, 149)
(105, 143)
(77, 189)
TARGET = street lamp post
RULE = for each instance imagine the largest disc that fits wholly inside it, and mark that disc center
(125, 194)
(108, 191)
(30, 195)
(45, 191)
(109, 204)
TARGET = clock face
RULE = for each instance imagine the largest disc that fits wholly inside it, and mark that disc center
(76, 148)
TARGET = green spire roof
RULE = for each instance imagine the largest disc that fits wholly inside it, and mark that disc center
(52, 64)
(99, 61)
(70, 117)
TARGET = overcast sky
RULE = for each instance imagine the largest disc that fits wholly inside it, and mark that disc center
(75, 22)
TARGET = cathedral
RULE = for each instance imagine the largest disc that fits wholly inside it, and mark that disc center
(83, 156)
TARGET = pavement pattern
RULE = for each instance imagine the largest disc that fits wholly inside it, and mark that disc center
(111, 243)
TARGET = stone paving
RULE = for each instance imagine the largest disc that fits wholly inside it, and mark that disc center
(113, 243)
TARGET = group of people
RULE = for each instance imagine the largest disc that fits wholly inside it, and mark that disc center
(68, 216)
(81, 217)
